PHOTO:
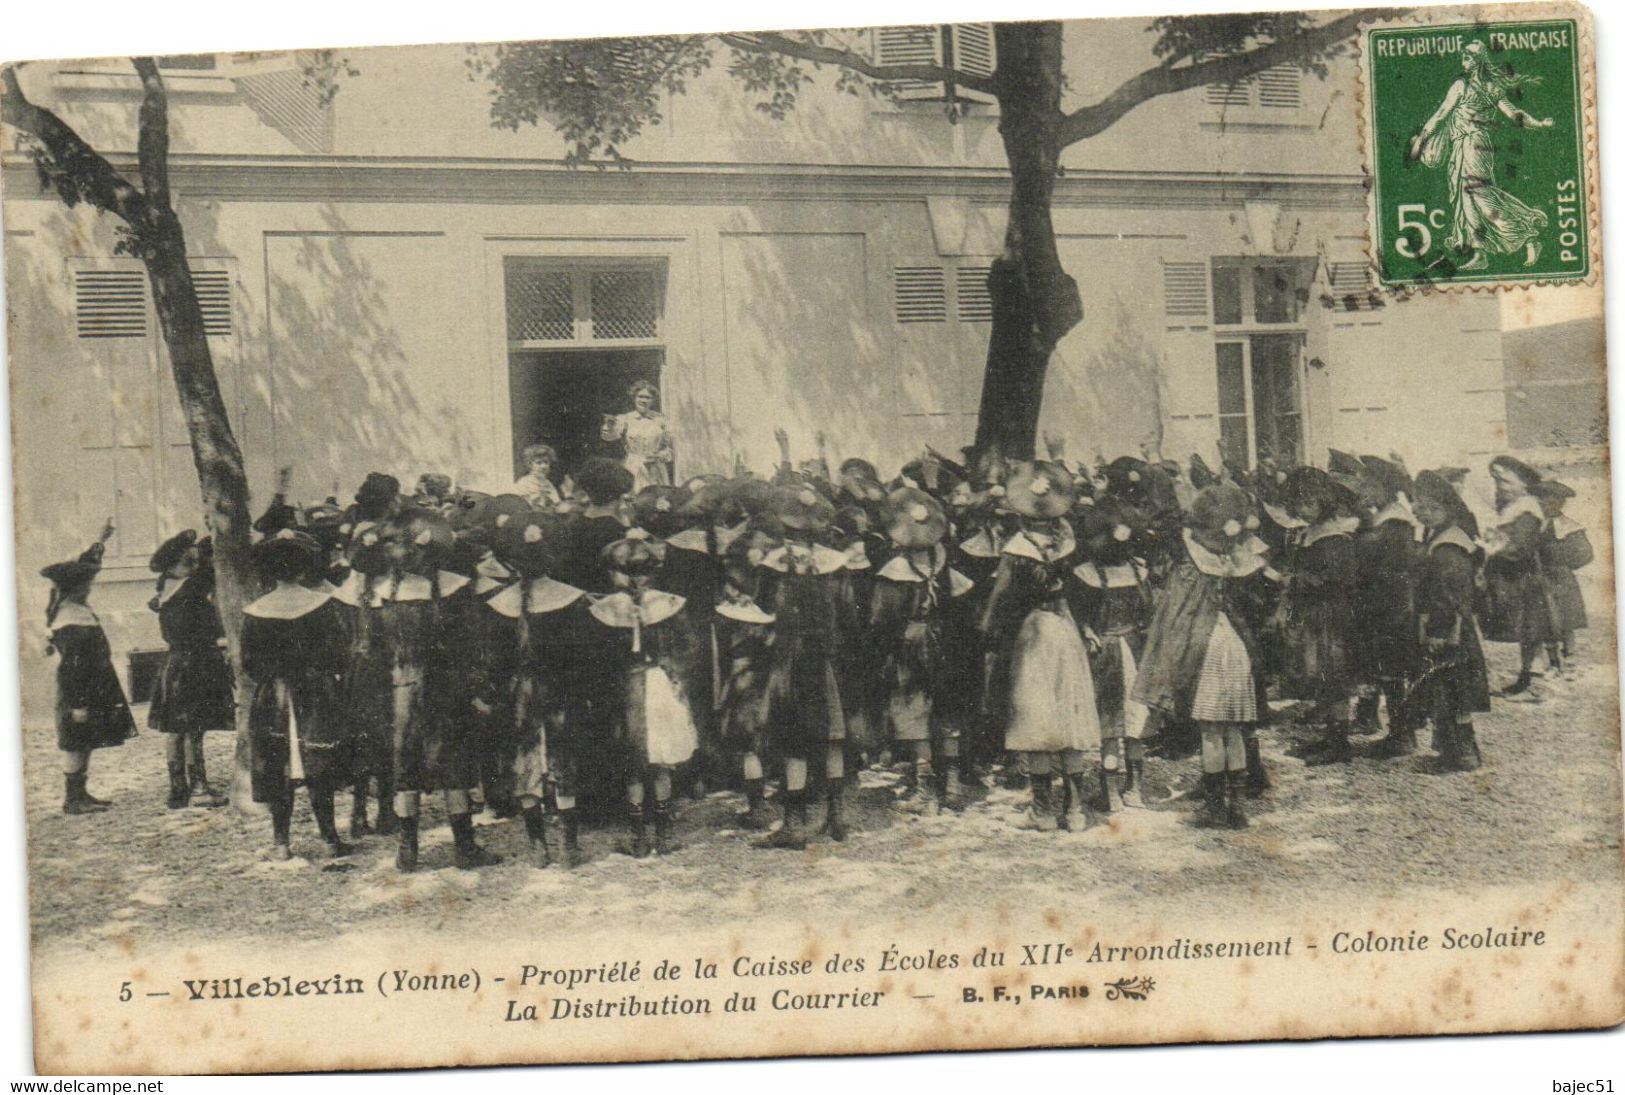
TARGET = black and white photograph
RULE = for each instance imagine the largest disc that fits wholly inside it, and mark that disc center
(879, 539)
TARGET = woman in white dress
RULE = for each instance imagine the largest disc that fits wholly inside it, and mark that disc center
(649, 452)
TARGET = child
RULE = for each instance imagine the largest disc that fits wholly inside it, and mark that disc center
(1520, 602)
(744, 638)
(1317, 609)
(91, 712)
(1564, 548)
(1041, 684)
(806, 719)
(1200, 651)
(650, 649)
(1454, 684)
(1116, 605)
(293, 640)
(906, 635)
(194, 691)
(1385, 651)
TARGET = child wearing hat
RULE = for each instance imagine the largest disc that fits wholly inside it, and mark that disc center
(1115, 602)
(1201, 651)
(194, 690)
(907, 625)
(1385, 651)
(649, 647)
(1453, 685)
(1564, 548)
(744, 640)
(806, 720)
(1041, 686)
(91, 711)
(489, 659)
(1317, 608)
(293, 642)
(1520, 608)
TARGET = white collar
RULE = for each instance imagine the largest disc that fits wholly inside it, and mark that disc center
(171, 590)
(1283, 518)
(1118, 576)
(1333, 526)
(857, 556)
(981, 546)
(825, 560)
(74, 614)
(1519, 507)
(619, 610)
(901, 567)
(1021, 545)
(546, 595)
(745, 611)
(1454, 536)
(1564, 526)
(287, 602)
(1396, 510)
(1244, 559)
(409, 587)
(690, 539)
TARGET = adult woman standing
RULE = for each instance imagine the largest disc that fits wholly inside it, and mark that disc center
(649, 452)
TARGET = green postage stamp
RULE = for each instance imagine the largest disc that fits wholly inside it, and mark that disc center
(1479, 140)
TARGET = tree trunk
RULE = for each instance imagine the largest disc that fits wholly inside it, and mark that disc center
(1035, 302)
(215, 453)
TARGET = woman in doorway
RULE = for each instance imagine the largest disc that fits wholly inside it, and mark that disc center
(649, 452)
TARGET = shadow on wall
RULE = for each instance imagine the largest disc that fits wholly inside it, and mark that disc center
(1110, 401)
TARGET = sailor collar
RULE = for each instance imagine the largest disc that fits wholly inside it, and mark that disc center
(825, 560)
(857, 556)
(1455, 537)
(1283, 518)
(1022, 545)
(170, 590)
(288, 602)
(74, 614)
(902, 569)
(546, 595)
(620, 610)
(1394, 511)
(982, 545)
(1325, 530)
(1116, 576)
(746, 611)
(696, 539)
(1524, 504)
(1564, 526)
(407, 588)
(1245, 559)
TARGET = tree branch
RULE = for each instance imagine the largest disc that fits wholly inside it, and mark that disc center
(768, 42)
(66, 158)
(1230, 68)
(152, 147)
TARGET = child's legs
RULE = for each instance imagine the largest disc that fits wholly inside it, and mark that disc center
(795, 774)
(174, 749)
(1235, 748)
(75, 761)
(1214, 747)
(750, 767)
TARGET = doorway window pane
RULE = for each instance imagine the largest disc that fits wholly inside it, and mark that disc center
(1275, 293)
(1275, 396)
(540, 305)
(625, 304)
(1231, 360)
(1226, 293)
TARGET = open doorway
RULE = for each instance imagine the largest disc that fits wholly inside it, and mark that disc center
(559, 397)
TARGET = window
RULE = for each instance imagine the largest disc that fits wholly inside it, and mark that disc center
(964, 47)
(1257, 292)
(1184, 290)
(1276, 94)
(584, 303)
(920, 294)
(1260, 413)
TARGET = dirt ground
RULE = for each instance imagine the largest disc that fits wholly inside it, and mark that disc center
(1545, 806)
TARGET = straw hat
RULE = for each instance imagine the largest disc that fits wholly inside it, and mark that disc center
(802, 509)
(914, 519)
(1039, 489)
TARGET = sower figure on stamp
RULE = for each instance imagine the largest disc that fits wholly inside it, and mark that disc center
(293, 647)
(1454, 684)
(91, 711)
(194, 690)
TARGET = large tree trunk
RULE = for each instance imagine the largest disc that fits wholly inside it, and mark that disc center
(1035, 302)
(215, 453)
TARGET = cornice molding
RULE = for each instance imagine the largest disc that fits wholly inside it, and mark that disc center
(384, 179)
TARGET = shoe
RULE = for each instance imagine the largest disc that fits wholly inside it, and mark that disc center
(1519, 686)
(834, 824)
(466, 854)
(203, 794)
(75, 800)
(536, 832)
(1400, 742)
(180, 795)
(952, 795)
(1040, 816)
(573, 855)
(1258, 777)
(406, 851)
(665, 844)
(788, 836)
(1334, 750)
(1235, 817)
(337, 849)
(756, 818)
(1212, 813)
(636, 843)
(281, 853)
(1132, 795)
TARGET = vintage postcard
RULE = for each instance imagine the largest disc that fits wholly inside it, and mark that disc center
(815, 542)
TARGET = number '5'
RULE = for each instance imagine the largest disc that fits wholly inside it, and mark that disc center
(1403, 243)
(124, 993)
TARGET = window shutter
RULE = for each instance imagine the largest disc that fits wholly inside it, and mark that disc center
(110, 303)
(974, 301)
(973, 48)
(214, 297)
(1351, 288)
(920, 294)
(1236, 94)
(1281, 87)
(1184, 290)
(910, 46)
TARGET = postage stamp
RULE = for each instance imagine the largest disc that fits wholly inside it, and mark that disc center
(1477, 146)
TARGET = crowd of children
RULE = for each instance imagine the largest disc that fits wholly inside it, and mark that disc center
(576, 643)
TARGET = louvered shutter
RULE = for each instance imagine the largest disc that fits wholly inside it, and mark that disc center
(975, 55)
(110, 303)
(910, 46)
(1184, 291)
(1351, 287)
(973, 302)
(1280, 88)
(214, 298)
(920, 294)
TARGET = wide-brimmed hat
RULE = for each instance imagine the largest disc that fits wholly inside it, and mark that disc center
(420, 540)
(287, 556)
(72, 573)
(658, 509)
(1128, 477)
(1435, 486)
(802, 508)
(752, 496)
(914, 519)
(1388, 474)
(501, 509)
(471, 508)
(1304, 483)
(1222, 510)
(1039, 489)
(861, 489)
(172, 550)
(1344, 465)
(1200, 474)
(1110, 532)
(604, 480)
(1528, 475)
(1551, 490)
(377, 491)
(635, 555)
(367, 552)
(530, 544)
